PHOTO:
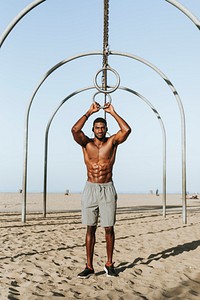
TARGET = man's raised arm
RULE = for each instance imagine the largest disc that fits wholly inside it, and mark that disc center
(76, 130)
(125, 129)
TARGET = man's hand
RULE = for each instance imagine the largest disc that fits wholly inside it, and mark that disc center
(94, 108)
(109, 108)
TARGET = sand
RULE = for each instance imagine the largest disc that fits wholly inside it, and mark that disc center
(155, 257)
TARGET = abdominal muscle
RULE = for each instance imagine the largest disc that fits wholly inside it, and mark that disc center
(99, 161)
(99, 172)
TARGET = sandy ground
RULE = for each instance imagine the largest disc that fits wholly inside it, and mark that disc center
(155, 257)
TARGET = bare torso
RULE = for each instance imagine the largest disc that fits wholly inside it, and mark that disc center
(99, 158)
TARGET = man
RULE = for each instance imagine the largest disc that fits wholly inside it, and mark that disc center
(99, 195)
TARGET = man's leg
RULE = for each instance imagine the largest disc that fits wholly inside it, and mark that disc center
(90, 242)
(110, 241)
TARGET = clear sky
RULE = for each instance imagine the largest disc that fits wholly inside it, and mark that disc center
(58, 29)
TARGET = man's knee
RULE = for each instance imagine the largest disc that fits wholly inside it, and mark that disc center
(109, 230)
(91, 230)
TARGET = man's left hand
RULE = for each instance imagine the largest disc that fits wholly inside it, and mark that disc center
(108, 108)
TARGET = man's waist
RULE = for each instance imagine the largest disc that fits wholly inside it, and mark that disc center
(100, 183)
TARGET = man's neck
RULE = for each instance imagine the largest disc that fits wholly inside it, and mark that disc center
(99, 141)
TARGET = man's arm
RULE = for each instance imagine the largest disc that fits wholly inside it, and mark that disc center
(125, 129)
(77, 132)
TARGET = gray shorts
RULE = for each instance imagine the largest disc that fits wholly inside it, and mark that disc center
(99, 199)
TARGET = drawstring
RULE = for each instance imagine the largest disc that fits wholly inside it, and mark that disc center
(101, 187)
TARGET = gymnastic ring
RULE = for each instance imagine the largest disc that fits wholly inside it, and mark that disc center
(102, 107)
(100, 89)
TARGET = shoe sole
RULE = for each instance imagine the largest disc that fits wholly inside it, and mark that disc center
(85, 277)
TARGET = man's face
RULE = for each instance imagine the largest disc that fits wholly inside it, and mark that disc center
(99, 130)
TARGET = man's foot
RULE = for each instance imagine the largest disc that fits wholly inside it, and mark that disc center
(86, 273)
(110, 271)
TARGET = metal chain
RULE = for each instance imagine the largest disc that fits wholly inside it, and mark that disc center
(105, 48)
(105, 33)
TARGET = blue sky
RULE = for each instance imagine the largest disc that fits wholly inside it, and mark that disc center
(58, 29)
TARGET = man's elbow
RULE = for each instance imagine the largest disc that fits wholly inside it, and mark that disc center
(128, 131)
(74, 130)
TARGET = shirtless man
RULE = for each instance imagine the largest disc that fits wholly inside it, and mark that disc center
(99, 195)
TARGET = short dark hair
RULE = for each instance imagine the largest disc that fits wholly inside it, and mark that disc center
(100, 120)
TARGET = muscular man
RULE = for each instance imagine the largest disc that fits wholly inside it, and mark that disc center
(99, 195)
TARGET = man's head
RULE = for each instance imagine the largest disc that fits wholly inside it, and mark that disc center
(100, 128)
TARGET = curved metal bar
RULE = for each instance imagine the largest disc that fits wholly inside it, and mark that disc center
(92, 87)
(22, 13)
(164, 140)
(26, 135)
(183, 124)
(46, 143)
(35, 3)
(113, 53)
(186, 11)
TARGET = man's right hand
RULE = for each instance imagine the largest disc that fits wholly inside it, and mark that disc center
(94, 108)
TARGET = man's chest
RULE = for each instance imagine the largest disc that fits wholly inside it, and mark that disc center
(104, 151)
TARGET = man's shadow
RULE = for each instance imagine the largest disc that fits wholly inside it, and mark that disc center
(173, 251)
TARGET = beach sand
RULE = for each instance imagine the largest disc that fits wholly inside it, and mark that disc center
(155, 257)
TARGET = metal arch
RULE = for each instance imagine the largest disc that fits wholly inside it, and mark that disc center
(113, 53)
(186, 11)
(92, 87)
(22, 13)
(35, 3)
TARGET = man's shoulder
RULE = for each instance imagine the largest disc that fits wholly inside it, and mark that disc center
(88, 141)
(111, 138)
